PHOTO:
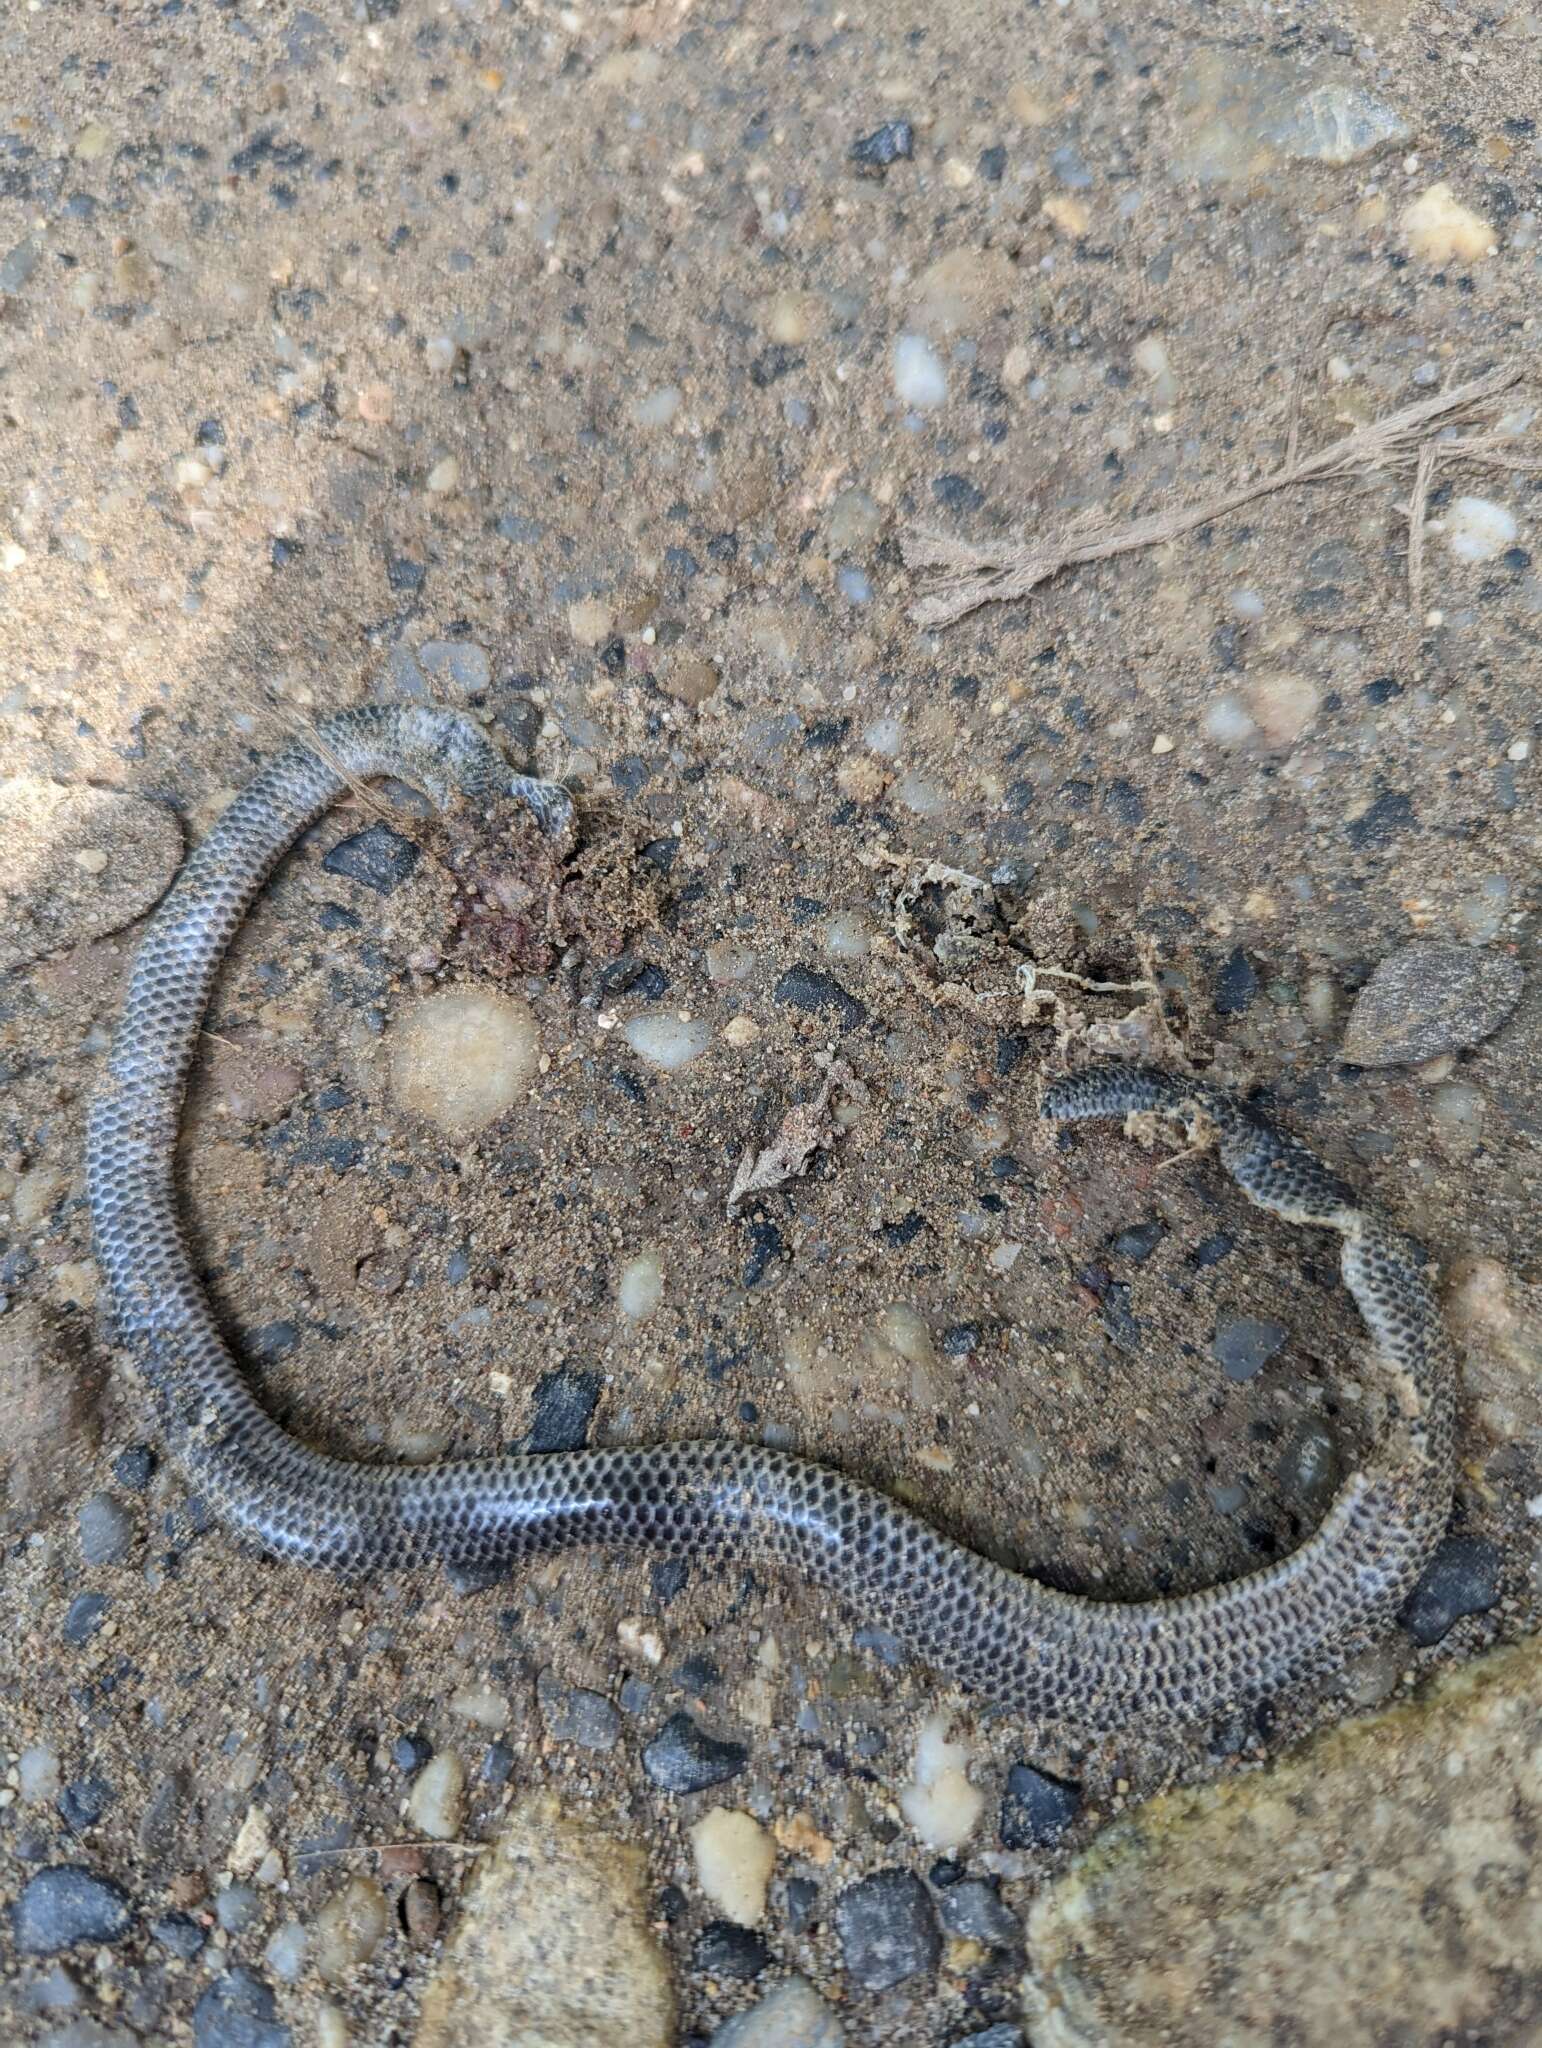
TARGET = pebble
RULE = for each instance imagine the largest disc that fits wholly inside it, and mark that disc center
(66, 1904)
(1242, 113)
(1476, 529)
(792, 2016)
(378, 857)
(1456, 1118)
(975, 1911)
(565, 1402)
(1245, 1345)
(1036, 1809)
(463, 1057)
(180, 1933)
(106, 1530)
(940, 1803)
(349, 1928)
(1236, 985)
(45, 827)
(85, 1615)
(668, 1043)
(37, 1776)
(1002, 2035)
(481, 1706)
(1461, 1578)
(459, 664)
(574, 1715)
(887, 1929)
(1438, 229)
(640, 1287)
(920, 381)
(893, 143)
(805, 988)
(1282, 707)
(236, 1906)
(421, 1911)
(239, 2010)
(680, 1758)
(285, 1952)
(1430, 997)
(437, 1803)
(734, 1860)
(731, 1953)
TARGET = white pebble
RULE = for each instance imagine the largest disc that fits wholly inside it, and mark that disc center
(641, 1286)
(463, 1057)
(940, 1804)
(331, 2028)
(734, 1859)
(924, 798)
(920, 381)
(444, 477)
(727, 962)
(667, 1042)
(1246, 605)
(484, 1709)
(285, 1953)
(884, 736)
(1477, 529)
(350, 1927)
(438, 1797)
(37, 1776)
(1456, 1110)
(658, 408)
(849, 935)
(439, 352)
(106, 1530)
(1227, 722)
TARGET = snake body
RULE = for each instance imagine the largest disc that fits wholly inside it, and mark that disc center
(1055, 1659)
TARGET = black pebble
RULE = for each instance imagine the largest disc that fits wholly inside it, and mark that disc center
(404, 574)
(1125, 801)
(378, 857)
(272, 1342)
(497, 1764)
(733, 1953)
(410, 1753)
(1236, 986)
(992, 164)
(886, 145)
(565, 1402)
(1138, 1242)
(1391, 813)
(180, 1933)
(668, 1578)
(630, 774)
(238, 2010)
(87, 1612)
(976, 1911)
(1036, 1808)
(765, 1250)
(888, 1930)
(800, 1899)
(957, 492)
(1461, 1578)
(84, 1800)
(805, 988)
(66, 1904)
(134, 1467)
(680, 1758)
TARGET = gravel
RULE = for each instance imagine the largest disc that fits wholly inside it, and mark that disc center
(66, 1904)
(977, 1910)
(565, 1402)
(1244, 1345)
(106, 1530)
(723, 1950)
(1429, 998)
(238, 2010)
(681, 1758)
(791, 2016)
(1462, 1577)
(805, 988)
(1036, 1809)
(887, 1930)
(573, 1715)
(378, 857)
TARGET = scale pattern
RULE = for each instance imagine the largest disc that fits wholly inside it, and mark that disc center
(1059, 1661)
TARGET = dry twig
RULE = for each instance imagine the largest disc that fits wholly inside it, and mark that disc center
(970, 576)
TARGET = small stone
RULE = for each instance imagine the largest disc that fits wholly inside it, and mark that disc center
(591, 622)
(1242, 113)
(552, 1947)
(106, 1530)
(437, 1802)
(461, 666)
(349, 1928)
(975, 1911)
(180, 1934)
(1427, 998)
(1438, 229)
(893, 143)
(1002, 2035)
(85, 1615)
(681, 1758)
(66, 1904)
(565, 1402)
(791, 2016)
(573, 1715)
(658, 408)
(940, 1803)
(463, 1057)
(236, 1907)
(1245, 1345)
(481, 1706)
(1476, 529)
(37, 1776)
(421, 1911)
(443, 478)
(805, 988)
(920, 381)
(238, 2010)
(285, 1951)
(1282, 707)
(734, 1860)
(378, 857)
(733, 1954)
(1236, 986)
(376, 404)
(1036, 1809)
(668, 1043)
(887, 1929)
(691, 679)
(1461, 1578)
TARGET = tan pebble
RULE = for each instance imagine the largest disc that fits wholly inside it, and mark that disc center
(691, 680)
(590, 621)
(741, 1031)
(376, 404)
(1161, 744)
(1067, 214)
(420, 1911)
(862, 780)
(799, 1837)
(1439, 229)
(444, 477)
(402, 1859)
(1017, 367)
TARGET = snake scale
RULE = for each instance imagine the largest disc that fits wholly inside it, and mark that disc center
(1087, 1666)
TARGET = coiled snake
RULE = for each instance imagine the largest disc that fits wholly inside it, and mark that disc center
(1054, 1658)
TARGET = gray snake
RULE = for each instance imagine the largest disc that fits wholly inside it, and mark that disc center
(1054, 1658)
